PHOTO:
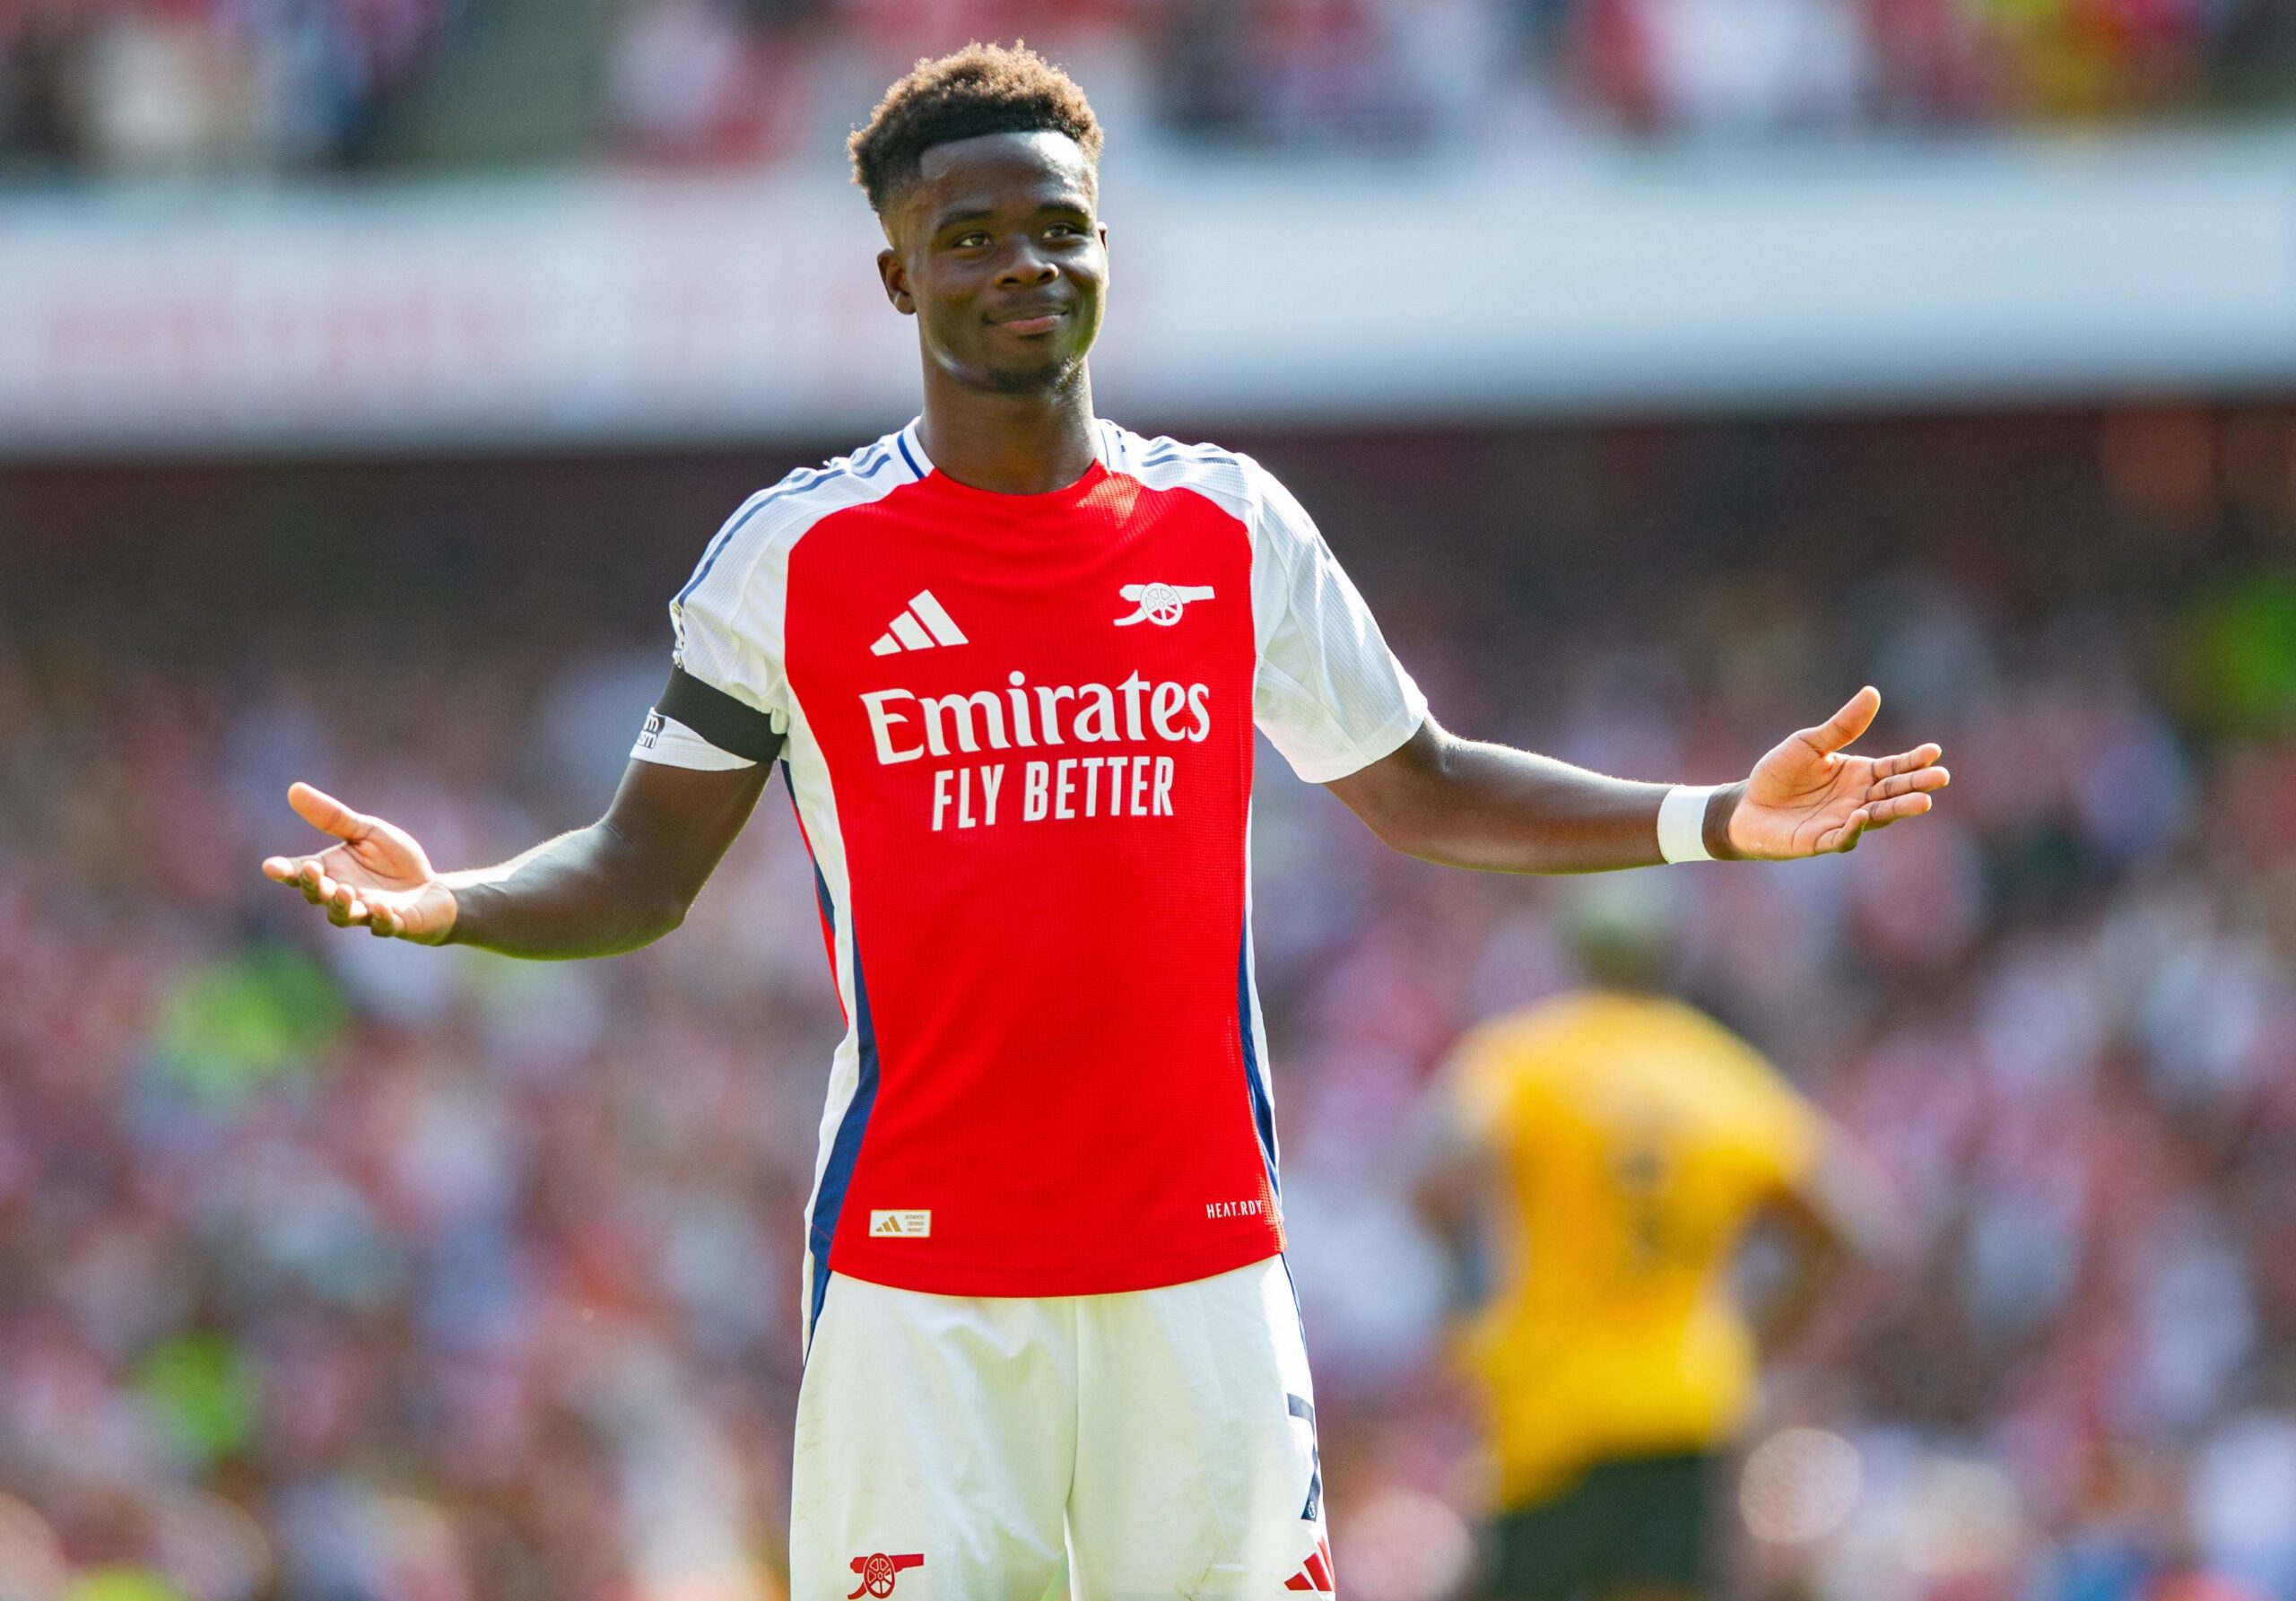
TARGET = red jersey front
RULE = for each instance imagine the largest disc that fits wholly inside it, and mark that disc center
(1019, 734)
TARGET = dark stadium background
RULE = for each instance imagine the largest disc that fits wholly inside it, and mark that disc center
(348, 1271)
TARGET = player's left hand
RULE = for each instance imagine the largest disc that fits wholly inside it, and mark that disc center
(1808, 798)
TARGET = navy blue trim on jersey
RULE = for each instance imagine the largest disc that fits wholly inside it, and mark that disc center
(811, 476)
(1263, 1109)
(845, 1151)
(901, 439)
(1202, 456)
(797, 482)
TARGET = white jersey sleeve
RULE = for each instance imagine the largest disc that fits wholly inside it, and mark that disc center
(1328, 693)
(730, 617)
(724, 645)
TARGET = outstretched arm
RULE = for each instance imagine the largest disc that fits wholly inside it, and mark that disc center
(1468, 805)
(621, 883)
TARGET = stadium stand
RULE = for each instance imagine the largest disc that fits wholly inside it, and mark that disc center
(202, 85)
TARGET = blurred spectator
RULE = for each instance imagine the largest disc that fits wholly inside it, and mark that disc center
(186, 85)
(197, 85)
(684, 83)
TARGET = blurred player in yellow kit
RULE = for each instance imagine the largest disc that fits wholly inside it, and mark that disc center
(1601, 1160)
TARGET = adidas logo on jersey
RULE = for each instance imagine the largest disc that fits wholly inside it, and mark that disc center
(1317, 1576)
(922, 624)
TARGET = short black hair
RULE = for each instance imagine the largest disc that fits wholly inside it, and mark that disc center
(981, 88)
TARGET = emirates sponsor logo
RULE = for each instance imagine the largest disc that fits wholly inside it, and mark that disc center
(908, 727)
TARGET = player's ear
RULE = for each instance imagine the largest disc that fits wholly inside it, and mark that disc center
(895, 277)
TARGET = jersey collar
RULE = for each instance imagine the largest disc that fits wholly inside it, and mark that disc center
(911, 442)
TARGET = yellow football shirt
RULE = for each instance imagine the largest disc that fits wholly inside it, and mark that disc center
(1635, 1138)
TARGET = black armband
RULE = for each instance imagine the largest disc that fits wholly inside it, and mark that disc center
(736, 729)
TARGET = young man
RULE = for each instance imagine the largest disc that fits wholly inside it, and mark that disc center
(1601, 1159)
(1010, 659)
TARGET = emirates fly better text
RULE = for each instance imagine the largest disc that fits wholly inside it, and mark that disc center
(908, 727)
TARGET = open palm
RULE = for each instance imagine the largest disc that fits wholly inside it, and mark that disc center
(1808, 798)
(377, 878)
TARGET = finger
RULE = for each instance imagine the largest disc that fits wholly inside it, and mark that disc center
(289, 870)
(1897, 810)
(1844, 839)
(1853, 719)
(1888, 767)
(322, 811)
(1920, 781)
(316, 885)
(344, 908)
(383, 924)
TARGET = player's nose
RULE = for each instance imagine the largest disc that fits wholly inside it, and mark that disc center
(1024, 267)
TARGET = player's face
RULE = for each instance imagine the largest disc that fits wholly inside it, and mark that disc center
(999, 254)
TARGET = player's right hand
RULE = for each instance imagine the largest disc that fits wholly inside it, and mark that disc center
(377, 879)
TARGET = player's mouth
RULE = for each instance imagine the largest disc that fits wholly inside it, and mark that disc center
(1032, 322)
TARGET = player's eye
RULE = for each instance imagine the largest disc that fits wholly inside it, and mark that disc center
(970, 241)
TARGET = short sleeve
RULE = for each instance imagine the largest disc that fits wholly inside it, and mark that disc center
(726, 699)
(1328, 693)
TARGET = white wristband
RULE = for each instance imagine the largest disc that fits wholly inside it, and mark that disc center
(1682, 824)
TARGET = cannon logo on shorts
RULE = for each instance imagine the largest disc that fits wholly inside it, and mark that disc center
(879, 1573)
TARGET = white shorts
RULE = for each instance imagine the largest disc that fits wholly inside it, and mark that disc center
(1161, 1442)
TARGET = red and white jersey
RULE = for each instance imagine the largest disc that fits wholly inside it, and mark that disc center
(1019, 738)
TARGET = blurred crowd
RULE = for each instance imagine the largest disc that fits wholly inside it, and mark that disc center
(175, 86)
(335, 1270)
